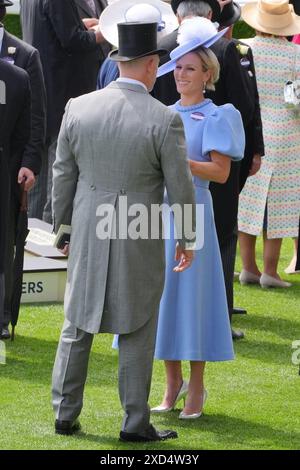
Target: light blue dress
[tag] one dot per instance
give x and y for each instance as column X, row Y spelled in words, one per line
column 193, row 319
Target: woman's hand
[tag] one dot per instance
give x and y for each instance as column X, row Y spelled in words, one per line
column 185, row 258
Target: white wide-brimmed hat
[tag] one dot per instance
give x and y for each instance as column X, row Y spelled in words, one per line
column 272, row 16
column 144, row 11
column 193, row 33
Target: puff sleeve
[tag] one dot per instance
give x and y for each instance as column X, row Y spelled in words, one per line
column 224, row 133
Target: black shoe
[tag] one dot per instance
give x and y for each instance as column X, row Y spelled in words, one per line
column 152, row 435
column 239, row 311
column 67, row 427
column 5, row 334
column 237, row 334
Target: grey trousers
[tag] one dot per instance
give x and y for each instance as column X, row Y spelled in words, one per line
column 136, row 351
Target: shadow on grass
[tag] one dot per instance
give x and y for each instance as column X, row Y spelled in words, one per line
column 230, row 430
column 222, row 430
column 264, row 351
column 284, row 328
column 113, row 442
column 292, row 292
column 31, row 359
column 116, row 444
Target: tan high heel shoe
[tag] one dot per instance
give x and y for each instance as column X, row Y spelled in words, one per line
column 180, row 396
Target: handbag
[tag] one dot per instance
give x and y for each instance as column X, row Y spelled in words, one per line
column 291, row 92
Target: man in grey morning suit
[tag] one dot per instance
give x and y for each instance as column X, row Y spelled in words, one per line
column 117, row 143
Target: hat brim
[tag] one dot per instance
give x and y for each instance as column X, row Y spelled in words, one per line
column 249, row 15
column 234, row 18
column 7, row 3
column 114, row 55
column 184, row 49
column 115, row 13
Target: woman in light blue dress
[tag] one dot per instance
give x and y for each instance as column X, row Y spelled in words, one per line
column 193, row 320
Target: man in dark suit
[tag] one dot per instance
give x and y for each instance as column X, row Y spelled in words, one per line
column 254, row 148
column 240, row 89
column 69, row 59
column 232, row 87
column 89, row 12
column 26, row 57
column 16, row 165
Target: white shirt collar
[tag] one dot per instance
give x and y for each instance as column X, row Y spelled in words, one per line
column 1, row 35
column 132, row 80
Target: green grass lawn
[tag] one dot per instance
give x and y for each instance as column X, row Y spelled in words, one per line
column 253, row 403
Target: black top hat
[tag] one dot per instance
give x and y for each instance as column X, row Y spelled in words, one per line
column 230, row 14
column 5, row 3
column 136, row 40
column 214, row 4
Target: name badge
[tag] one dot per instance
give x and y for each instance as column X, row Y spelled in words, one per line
column 245, row 62
column 197, row 116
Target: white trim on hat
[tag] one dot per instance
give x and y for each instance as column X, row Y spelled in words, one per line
column 205, row 38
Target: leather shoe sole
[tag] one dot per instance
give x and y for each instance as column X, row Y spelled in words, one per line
column 155, row 436
column 67, row 428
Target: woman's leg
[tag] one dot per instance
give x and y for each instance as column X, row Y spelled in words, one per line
column 272, row 249
column 174, row 383
column 194, row 401
column 247, row 250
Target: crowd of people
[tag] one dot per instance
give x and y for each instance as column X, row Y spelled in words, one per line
column 180, row 105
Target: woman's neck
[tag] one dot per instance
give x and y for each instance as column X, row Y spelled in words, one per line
column 190, row 100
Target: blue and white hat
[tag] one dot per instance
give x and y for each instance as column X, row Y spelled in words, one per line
column 193, row 33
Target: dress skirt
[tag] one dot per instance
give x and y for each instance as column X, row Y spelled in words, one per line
column 193, row 318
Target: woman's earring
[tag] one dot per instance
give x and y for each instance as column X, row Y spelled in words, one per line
column 204, row 88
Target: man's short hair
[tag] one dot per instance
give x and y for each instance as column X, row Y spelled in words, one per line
column 187, row 8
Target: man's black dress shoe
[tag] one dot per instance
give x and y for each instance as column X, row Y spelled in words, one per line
column 239, row 311
column 151, row 435
column 237, row 334
column 5, row 334
column 67, row 427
